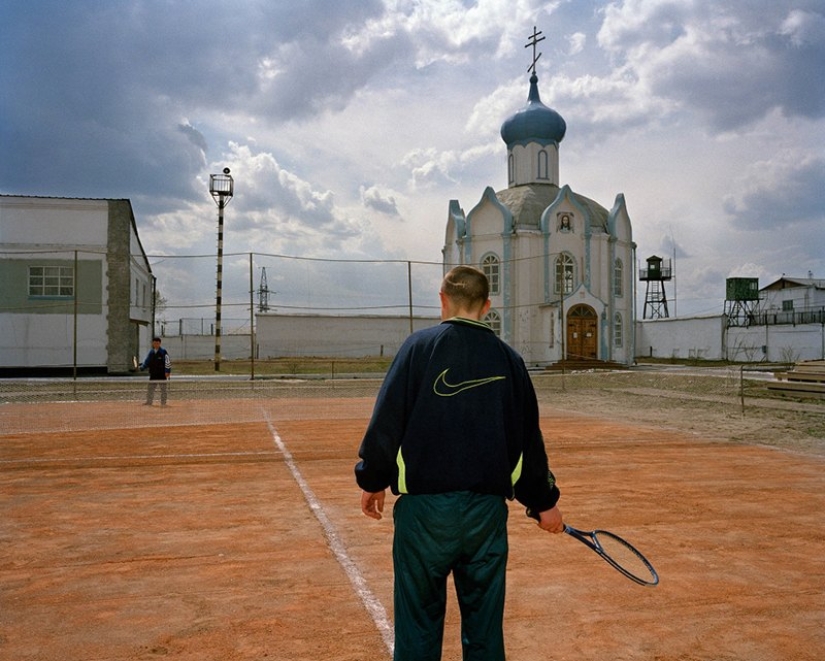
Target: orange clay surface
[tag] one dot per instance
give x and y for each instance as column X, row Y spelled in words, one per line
column 130, row 533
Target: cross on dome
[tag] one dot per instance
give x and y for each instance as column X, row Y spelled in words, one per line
column 533, row 41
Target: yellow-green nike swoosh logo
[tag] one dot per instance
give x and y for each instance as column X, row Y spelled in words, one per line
column 444, row 389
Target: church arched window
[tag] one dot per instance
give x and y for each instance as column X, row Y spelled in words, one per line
column 618, row 278
column 543, row 167
column 618, row 330
column 493, row 320
column 511, row 169
column 565, row 274
column 491, row 266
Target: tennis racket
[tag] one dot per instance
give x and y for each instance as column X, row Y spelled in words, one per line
column 619, row 554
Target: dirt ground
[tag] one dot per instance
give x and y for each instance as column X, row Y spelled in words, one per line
column 231, row 530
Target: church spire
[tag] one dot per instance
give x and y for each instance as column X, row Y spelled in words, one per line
column 533, row 134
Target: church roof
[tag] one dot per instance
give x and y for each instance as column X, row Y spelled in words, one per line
column 528, row 202
column 535, row 122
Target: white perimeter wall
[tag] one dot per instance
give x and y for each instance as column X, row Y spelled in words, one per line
column 706, row 338
column 776, row 344
column 349, row 337
column 697, row 337
column 201, row 347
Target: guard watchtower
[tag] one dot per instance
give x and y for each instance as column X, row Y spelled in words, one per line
column 658, row 272
column 741, row 300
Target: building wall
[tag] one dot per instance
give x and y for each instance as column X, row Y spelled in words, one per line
column 95, row 325
column 344, row 336
column 802, row 297
column 776, row 344
column 129, row 307
column 706, row 338
column 698, row 338
column 202, row 347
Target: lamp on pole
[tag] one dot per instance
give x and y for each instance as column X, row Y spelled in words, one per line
column 221, row 187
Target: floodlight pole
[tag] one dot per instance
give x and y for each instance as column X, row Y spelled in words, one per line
column 221, row 187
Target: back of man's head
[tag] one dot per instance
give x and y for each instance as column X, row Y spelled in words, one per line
column 466, row 286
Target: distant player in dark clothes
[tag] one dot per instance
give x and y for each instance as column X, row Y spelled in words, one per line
column 455, row 432
column 159, row 364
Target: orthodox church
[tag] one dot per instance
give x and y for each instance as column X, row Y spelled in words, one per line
column 560, row 265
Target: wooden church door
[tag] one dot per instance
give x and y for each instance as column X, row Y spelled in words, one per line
column 582, row 333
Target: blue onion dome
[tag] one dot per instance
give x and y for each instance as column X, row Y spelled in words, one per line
column 535, row 122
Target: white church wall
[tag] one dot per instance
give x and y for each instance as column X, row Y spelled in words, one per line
column 524, row 163
column 485, row 220
column 599, row 267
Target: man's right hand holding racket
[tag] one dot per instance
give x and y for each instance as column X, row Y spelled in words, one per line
column 551, row 520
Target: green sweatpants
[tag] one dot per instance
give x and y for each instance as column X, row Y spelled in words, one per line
column 463, row 533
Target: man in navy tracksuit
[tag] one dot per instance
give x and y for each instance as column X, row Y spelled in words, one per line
column 455, row 432
column 159, row 365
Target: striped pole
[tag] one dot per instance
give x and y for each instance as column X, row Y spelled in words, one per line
column 221, row 187
column 219, row 294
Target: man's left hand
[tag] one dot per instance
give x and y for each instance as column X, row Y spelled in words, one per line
column 372, row 504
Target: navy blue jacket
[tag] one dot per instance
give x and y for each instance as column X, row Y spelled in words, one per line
column 158, row 363
column 457, row 412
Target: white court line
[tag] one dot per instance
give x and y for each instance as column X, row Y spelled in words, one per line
column 67, row 427
column 199, row 455
column 374, row 607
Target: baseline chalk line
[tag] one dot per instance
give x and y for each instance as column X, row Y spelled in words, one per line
column 373, row 605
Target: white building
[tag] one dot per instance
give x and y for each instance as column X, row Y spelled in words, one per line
column 77, row 288
column 793, row 300
column 786, row 325
column 560, row 265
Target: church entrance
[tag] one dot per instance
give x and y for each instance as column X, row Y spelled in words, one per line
column 582, row 333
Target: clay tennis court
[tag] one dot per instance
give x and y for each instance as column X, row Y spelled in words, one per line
column 230, row 528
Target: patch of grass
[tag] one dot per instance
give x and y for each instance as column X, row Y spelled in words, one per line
column 284, row 367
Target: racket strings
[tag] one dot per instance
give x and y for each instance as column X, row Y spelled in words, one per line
column 623, row 555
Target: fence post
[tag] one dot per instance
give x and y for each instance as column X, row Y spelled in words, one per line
column 251, row 323
column 74, row 320
column 409, row 293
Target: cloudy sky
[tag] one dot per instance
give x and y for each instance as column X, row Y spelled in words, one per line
column 348, row 126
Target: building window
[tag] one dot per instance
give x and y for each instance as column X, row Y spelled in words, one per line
column 565, row 274
column 543, row 166
column 493, row 320
column 491, row 266
column 51, row 281
column 787, row 306
column 511, row 169
column 618, row 330
column 618, row 277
